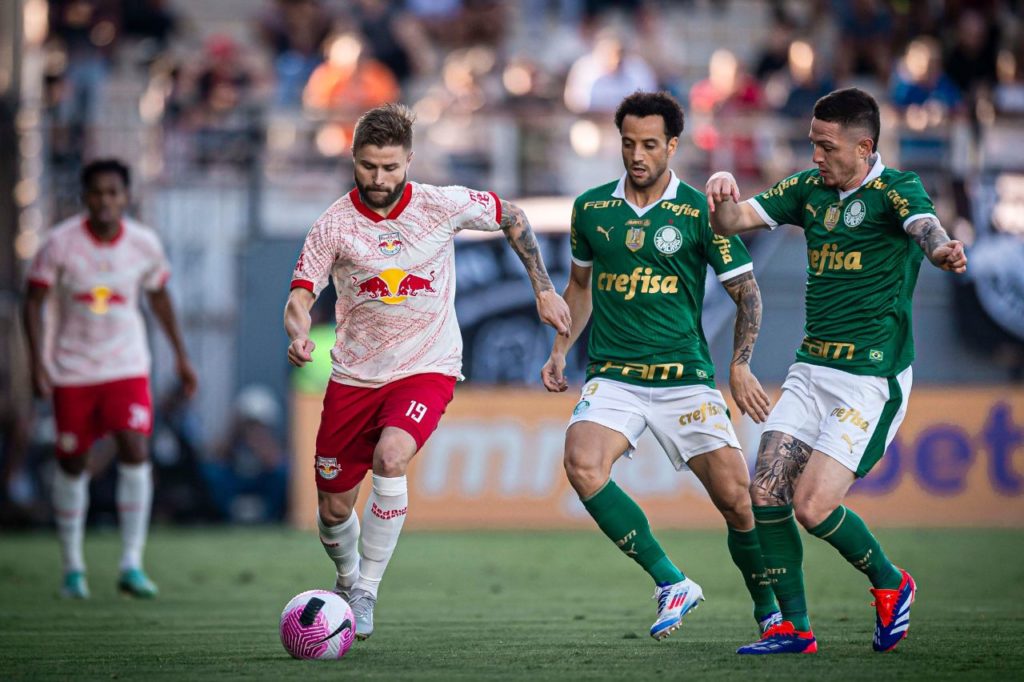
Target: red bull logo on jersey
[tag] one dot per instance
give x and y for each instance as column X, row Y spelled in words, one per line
column 100, row 298
column 390, row 243
column 394, row 285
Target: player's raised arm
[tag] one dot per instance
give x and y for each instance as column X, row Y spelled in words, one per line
column 728, row 215
column 746, row 390
column 577, row 296
column 944, row 253
column 550, row 306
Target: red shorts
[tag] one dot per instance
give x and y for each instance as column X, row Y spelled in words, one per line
column 87, row 413
column 354, row 417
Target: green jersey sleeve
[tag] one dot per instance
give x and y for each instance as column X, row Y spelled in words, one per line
column 727, row 256
column 908, row 200
column 582, row 254
column 783, row 203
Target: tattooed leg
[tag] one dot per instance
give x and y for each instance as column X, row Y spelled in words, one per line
column 781, row 459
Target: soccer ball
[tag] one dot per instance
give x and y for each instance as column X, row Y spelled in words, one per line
column 317, row 624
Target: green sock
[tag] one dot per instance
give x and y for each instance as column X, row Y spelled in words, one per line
column 847, row 532
column 783, row 559
column 746, row 554
column 625, row 523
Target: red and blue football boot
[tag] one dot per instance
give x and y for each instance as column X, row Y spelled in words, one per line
column 892, row 613
column 782, row 639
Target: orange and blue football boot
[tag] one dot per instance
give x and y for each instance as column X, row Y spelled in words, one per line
column 782, row 639
column 892, row 613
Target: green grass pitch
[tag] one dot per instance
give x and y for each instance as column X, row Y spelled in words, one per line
column 499, row 605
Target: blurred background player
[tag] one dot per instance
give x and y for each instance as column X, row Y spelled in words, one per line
column 640, row 250
column 388, row 246
column 90, row 354
column 846, row 394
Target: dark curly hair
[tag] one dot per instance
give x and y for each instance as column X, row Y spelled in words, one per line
column 652, row 104
column 101, row 166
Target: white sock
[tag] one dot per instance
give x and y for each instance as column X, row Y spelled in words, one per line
column 70, row 504
column 134, row 499
column 383, row 519
column 341, row 543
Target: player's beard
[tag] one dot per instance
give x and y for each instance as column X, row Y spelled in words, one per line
column 389, row 199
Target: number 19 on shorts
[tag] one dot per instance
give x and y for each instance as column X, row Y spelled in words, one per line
column 416, row 411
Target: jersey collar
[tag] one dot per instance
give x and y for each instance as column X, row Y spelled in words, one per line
column 876, row 170
column 96, row 240
column 670, row 193
column 373, row 215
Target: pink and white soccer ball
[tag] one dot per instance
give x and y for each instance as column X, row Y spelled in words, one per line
column 317, row 624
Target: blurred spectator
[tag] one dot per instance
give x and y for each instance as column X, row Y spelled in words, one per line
column 392, row 37
column 151, row 22
column 82, row 39
column 919, row 81
column 294, row 30
column 460, row 23
column 794, row 92
column 725, row 104
column 865, row 35
column 350, row 81
column 775, row 54
column 1008, row 96
column 971, row 60
column 600, row 79
column 249, row 478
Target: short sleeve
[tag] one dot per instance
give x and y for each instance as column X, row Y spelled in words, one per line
column 316, row 260
column 582, row 254
column 475, row 210
column 781, row 204
column 908, row 200
column 44, row 268
column 158, row 270
column 727, row 256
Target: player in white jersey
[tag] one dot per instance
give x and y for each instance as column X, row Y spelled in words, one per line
column 388, row 247
column 94, row 362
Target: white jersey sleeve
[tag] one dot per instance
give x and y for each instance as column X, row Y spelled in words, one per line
column 44, row 268
column 319, row 254
column 474, row 209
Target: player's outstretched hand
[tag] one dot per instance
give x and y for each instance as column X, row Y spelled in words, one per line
column 747, row 392
column 41, row 385
column 950, row 256
column 300, row 351
column 721, row 186
column 188, row 377
column 553, row 374
column 553, row 310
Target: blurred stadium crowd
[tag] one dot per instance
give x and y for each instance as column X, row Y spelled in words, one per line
column 237, row 114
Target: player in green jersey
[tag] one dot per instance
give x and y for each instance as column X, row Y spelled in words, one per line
column 867, row 229
column 641, row 247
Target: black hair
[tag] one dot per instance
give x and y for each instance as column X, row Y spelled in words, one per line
column 662, row 104
column 850, row 108
column 100, row 166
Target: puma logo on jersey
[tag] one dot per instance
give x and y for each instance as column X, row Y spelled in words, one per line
column 811, row 210
column 607, row 233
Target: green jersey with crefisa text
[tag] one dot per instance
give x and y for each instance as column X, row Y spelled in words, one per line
column 861, row 265
column 647, row 282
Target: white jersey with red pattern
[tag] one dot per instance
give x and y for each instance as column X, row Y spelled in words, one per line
column 395, row 278
column 99, row 333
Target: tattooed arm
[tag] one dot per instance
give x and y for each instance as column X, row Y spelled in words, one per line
column 746, row 390
column 943, row 252
column 780, row 461
column 550, row 306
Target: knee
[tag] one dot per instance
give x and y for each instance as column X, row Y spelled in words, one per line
column 811, row 510
column 390, row 461
column 334, row 509
column 585, row 471
column 735, row 506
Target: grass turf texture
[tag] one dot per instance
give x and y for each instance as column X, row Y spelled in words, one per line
column 540, row 605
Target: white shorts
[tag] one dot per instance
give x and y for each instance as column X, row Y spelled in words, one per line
column 685, row 420
column 850, row 418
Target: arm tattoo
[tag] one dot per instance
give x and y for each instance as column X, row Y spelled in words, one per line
column 780, row 461
column 522, row 240
column 747, row 296
column 928, row 234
